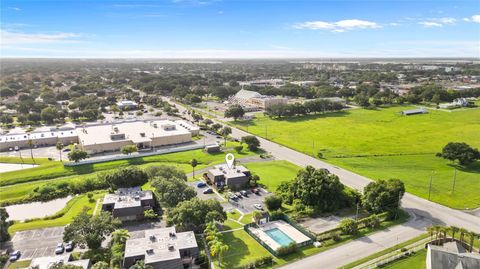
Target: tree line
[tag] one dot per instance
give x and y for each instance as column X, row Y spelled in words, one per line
column 298, row 109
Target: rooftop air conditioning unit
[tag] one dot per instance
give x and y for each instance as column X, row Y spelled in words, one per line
column 171, row 247
column 150, row 251
column 152, row 237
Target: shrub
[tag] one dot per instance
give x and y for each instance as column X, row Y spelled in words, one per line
column 285, row 250
column 348, row 226
column 238, row 148
column 273, row 202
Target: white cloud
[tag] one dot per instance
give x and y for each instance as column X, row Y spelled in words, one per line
column 438, row 22
column 430, row 24
column 12, row 38
column 339, row 26
column 474, row 18
column 15, row 8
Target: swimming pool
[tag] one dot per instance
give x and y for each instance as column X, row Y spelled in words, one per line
column 280, row 237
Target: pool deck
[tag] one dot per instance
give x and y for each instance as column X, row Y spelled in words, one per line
column 283, row 226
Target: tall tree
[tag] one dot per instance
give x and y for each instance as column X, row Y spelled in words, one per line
column 459, row 151
column 383, row 195
column 77, row 155
column 235, row 112
column 171, row 191
column 225, row 131
column 4, row 236
column 193, row 163
column 59, row 147
column 30, row 145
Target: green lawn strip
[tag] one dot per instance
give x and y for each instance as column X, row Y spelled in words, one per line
column 272, row 173
column 234, row 215
column 25, row 159
column 230, row 225
column 53, row 169
column 242, row 249
column 386, row 251
column 72, row 209
column 19, row 264
column 383, row 137
column 417, row 261
column 415, row 171
column 247, row 218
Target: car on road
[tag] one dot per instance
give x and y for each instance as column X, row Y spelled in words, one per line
column 258, row 206
column 16, row 148
column 59, row 249
column 208, row 191
column 69, row 246
column 244, row 193
column 14, row 256
column 201, row 184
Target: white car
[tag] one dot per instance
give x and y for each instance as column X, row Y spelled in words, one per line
column 258, row 206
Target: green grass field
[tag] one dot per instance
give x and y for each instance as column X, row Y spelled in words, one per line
column 53, row 169
column 73, row 208
column 383, row 144
column 19, row 264
column 274, row 172
column 417, row 261
column 24, row 181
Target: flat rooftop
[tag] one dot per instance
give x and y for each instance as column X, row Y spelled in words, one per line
column 223, row 169
column 135, row 131
column 38, row 135
column 160, row 244
column 127, row 197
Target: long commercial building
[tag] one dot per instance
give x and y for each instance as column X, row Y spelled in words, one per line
column 97, row 138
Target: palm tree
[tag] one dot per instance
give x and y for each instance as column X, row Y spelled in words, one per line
column 225, row 131
column 454, row 230
column 193, row 163
column 437, row 231
column 472, row 235
column 30, row 144
column 431, row 230
column 462, row 234
column 60, row 146
column 120, row 236
column 218, row 248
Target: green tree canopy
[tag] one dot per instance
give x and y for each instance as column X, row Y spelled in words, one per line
column 383, row 195
column 235, row 112
column 172, row 190
column 77, row 155
column 126, row 178
column 165, row 171
column 4, row 236
column 462, row 152
column 192, row 214
column 252, row 142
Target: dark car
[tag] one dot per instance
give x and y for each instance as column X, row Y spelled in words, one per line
column 244, row 193
column 238, row 194
column 208, row 191
column 201, row 184
column 69, row 246
column 59, row 249
column 256, row 191
column 14, row 256
column 66, row 150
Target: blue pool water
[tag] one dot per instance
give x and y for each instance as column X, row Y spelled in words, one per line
column 280, row 237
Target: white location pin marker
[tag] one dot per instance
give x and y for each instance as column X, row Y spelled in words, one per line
column 229, row 159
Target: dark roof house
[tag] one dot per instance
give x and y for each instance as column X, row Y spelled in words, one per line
column 451, row 255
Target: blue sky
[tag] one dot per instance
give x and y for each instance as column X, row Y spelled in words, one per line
column 239, row 28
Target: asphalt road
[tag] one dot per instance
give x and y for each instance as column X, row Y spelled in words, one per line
column 423, row 213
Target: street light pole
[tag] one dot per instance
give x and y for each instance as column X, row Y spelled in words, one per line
column 454, row 179
column 430, row 188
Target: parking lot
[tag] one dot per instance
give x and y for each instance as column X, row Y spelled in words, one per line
column 246, row 204
column 203, row 196
column 37, row 243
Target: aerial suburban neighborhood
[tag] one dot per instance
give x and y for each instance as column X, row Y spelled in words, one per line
column 307, row 144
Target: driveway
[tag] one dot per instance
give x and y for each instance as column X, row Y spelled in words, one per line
column 246, row 204
column 203, row 196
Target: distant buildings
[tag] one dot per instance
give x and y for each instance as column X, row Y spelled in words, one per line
column 263, row 83
column 47, row 262
column 236, row 177
column 66, row 136
column 129, row 204
column 127, row 105
column 459, row 102
column 252, row 100
column 162, row 248
column 451, row 255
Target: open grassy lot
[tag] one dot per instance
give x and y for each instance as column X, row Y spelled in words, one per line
column 242, row 249
column 19, row 264
column 417, row 261
column 54, row 169
column 65, row 216
column 353, row 138
column 274, row 172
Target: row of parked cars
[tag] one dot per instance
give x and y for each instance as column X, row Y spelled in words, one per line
column 203, row 185
column 59, row 249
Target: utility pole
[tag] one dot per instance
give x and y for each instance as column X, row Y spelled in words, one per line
column 454, row 179
column 430, row 188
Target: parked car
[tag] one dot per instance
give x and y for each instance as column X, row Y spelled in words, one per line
column 233, row 197
column 16, row 148
column 69, row 246
column 59, row 249
column 66, row 150
column 14, row 256
column 218, row 137
column 238, row 194
column 208, row 191
column 201, row 184
column 244, row 193
column 256, row 191
column 258, row 206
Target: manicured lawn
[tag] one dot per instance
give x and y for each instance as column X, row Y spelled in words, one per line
column 19, row 264
column 274, row 172
column 242, row 249
column 415, row 171
column 54, row 169
column 72, row 209
column 379, row 135
column 417, row 261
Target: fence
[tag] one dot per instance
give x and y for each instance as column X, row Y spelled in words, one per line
column 298, row 227
column 267, row 247
column 140, row 155
column 393, row 258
